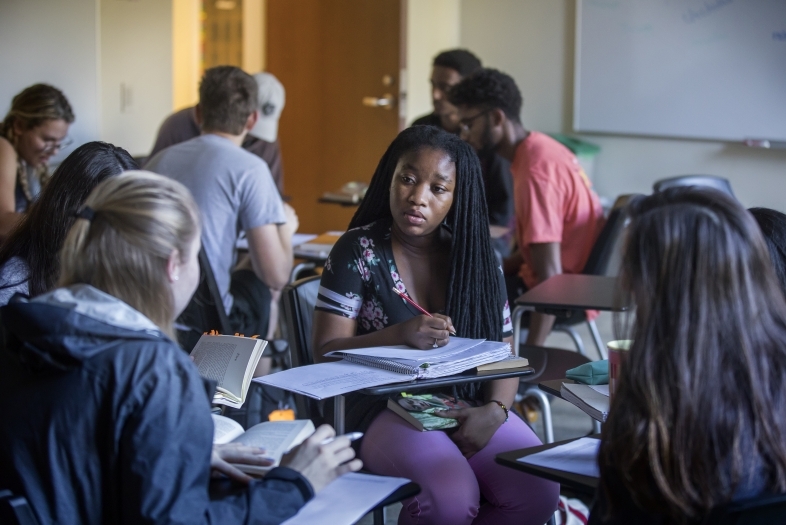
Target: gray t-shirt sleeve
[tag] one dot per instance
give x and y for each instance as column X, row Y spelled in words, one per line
column 14, row 276
column 260, row 202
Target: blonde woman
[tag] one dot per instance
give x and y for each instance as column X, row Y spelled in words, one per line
column 34, row 129
column 105, row 418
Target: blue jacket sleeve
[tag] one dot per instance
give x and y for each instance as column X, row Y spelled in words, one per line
column 165, row 444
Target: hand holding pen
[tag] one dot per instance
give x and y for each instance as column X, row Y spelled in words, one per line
column 424, row 333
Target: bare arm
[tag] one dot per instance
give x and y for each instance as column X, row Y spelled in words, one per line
column 270, row 250
column 546, row 262
column 334, row 332
column 8, row 215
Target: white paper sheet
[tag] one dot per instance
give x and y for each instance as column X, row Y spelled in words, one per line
column 346, row 500
column 326, row 380
column 576, row 457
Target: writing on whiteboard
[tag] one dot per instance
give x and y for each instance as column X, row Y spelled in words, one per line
column 706, row 8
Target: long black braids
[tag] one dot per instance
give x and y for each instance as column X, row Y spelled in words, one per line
column 473, row 286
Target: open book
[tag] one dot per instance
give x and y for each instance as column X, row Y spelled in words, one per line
column 230, row 361
column 276, row 437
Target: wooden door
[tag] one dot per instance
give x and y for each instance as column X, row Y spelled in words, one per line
column 330, row 54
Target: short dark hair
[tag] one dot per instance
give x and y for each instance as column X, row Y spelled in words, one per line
column 227, row 96
column 460, row 60
column 489, row 88
column 773, row 226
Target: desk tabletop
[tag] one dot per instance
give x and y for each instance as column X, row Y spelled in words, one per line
column 573, row 292
column 580, row 483
column 469, row 376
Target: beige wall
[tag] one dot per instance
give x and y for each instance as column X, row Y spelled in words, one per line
column 53, row 41
column 432, row 26
column 533, row 40
column 136, row 71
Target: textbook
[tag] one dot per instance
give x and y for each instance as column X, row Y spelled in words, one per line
column 418, row 410
column 458, row 355
column 276, row 437
column 512, row 361
column 230, row 361
column 595, row 404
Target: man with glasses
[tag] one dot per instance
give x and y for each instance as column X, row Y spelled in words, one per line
column 448, row 69
column 558, row 216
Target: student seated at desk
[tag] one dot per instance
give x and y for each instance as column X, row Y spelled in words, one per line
column 104, row 418
column 29, row 257
column 34, row 129
column 423, row 229
column 699, row 418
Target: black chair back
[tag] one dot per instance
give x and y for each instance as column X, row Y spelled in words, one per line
column 299, row 299
column 761, row 510
column 606, row 246
column 205, row 312
column 707, row 181
column 15, row 510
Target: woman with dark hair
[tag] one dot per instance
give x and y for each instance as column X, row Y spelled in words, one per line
column 28, row 258
column 34, row 129
column 699, row 418
column 422, row 228
column 773, row 226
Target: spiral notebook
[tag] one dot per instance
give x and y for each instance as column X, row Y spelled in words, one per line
column 458, row 355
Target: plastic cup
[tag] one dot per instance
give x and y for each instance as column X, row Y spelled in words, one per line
column 618, row 353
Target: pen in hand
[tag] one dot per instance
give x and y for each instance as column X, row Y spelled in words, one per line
column 416, row 305
column 353, row 436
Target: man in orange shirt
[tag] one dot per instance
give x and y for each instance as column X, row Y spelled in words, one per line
column 558, row 216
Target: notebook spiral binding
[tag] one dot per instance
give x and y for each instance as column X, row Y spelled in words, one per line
column 386, row 364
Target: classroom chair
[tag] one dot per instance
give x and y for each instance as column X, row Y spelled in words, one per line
column 707, row 181
column 15, row 510
column 604, row 259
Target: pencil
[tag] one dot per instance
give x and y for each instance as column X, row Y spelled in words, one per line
column 416, row 305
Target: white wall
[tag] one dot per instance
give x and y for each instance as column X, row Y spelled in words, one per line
column 432, row 26
column 136, row 71
column 533, row 41
column 55, row 42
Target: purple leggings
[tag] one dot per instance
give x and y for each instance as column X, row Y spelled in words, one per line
column 451, row 485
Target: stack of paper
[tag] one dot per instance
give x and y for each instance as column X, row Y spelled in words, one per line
column 588, row 398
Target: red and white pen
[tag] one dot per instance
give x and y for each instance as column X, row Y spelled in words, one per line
column 416, row 305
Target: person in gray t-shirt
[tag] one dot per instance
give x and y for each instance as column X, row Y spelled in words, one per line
column 235, row 193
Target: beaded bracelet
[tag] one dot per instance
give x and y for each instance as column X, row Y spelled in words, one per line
column 502, row 406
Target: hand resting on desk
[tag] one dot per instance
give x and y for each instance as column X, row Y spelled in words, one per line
column 476, row 426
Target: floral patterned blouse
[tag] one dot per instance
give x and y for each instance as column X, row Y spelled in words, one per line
column 357, row 282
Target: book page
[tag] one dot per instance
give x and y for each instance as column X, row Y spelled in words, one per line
column 225, row 429
column 404, row 352
column 277, row 437
column 224, row 358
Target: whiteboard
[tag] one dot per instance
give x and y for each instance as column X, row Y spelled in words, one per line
column 703, row 69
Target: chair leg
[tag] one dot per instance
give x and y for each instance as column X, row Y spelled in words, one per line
column 338, row 416
column 573, row 335
column 545, row 408
column 379, row 516
column 598, row 341
column 552, row 520
column 516, row 319
column 596, row 426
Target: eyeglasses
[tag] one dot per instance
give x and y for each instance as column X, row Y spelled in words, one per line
column 51, row 145
column 466, row 123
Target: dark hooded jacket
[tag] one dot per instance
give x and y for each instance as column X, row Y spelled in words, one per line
column 103, row 419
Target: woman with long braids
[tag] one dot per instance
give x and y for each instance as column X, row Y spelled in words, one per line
column 29, row 261
column 423, row 229
column 34, row 129
column 699, row 418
